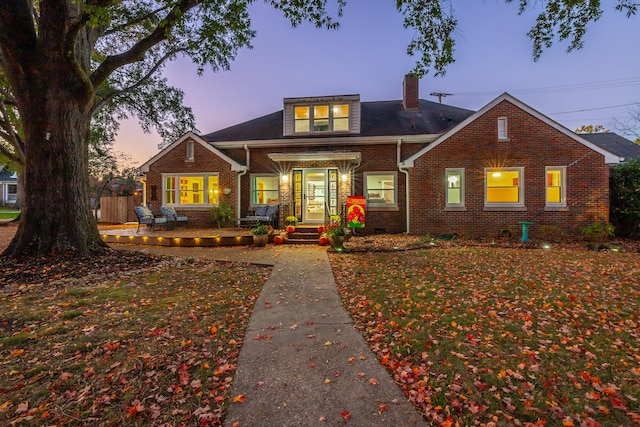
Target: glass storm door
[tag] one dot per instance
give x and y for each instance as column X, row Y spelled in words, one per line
column 315, row 195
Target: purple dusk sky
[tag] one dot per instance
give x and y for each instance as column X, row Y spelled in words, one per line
column 367, row 55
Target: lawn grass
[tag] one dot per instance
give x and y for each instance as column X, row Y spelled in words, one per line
column 491, row 336
column 9, row 215
column 157, row 349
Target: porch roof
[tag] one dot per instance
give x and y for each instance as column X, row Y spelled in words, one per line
column 309, row 156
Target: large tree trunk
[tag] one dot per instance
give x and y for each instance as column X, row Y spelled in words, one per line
column 56, row 215
column 55, row 108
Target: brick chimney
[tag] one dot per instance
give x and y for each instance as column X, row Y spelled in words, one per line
column 410, row 92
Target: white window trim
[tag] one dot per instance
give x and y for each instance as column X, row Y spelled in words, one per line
column 330, row 118
column 380, row 206
column 563, row 187
column 460, row 171
column 190, row 155
column 503, row 129
column 176, row 190
column 251, row 189
column 506, row 206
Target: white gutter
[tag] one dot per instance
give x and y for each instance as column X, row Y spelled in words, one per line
column 243, row 172
column 405, row 171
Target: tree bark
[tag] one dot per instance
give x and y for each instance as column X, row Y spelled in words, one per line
column 55, row 108
column 56, row 216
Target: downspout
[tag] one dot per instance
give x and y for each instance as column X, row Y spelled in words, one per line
column 405, row 171
column 240, row 175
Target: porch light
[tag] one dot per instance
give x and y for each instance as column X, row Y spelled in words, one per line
column 285, row 178
column 226, row 190
column 344, row 177
column 496, row 174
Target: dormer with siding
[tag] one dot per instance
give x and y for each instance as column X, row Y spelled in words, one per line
column 321, row 116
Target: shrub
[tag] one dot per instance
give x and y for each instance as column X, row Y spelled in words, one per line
column 222, row 214
column 598, row 232
column 624, row 183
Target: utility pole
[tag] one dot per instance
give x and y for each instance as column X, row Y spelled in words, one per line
column 440, row 95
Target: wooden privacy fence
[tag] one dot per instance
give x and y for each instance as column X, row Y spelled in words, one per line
column 119, row 209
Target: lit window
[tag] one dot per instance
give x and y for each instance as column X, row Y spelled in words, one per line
column 190, row 150
column 380, row 188
column 502, row 128
column 556, row 190
column 265, row 189
column 321, row 118
column 302, row 119
column 504, row 187
column 191, row 189
column 341, row 117
column 455, row 187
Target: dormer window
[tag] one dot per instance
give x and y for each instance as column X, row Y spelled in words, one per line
column 321, row 118
column 322, row 115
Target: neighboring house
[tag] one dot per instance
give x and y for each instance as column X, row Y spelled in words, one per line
column 614, row 143
column 423, row 167
column 8, row 188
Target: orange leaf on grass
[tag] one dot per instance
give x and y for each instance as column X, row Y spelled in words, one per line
column 346, row 415
column 239, row 398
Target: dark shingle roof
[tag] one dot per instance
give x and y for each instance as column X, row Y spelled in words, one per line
column 615, row 144
column 7, row 176
column 380, row 118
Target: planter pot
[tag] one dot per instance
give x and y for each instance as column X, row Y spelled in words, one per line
column 336, row 241
column 260, row 239
column 290, row 229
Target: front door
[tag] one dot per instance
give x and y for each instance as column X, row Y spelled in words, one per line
column 314, row 195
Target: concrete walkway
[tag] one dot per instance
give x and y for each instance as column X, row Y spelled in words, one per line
column 303, row 363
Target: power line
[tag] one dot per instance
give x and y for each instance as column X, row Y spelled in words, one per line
column 594, row 109
column 602, row 84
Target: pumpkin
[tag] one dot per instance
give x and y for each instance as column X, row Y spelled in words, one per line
column 290, row 229
column 321, row 229
column 278, row 240
column 323, row 241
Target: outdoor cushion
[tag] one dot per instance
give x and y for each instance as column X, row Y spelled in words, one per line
column 145, row 216
column 170, row 214
column 261, row 210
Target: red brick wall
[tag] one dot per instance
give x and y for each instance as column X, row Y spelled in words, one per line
column 204, row 160
column 533, row 145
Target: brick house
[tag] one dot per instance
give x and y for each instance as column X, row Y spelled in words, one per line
column 423, row 167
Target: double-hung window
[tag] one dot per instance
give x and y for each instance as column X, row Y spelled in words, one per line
column 454, row 191
column 381, row 189
column 556, row 194
column 190, row 189
column 504, row 188
column 321, row 118
column 265, row 189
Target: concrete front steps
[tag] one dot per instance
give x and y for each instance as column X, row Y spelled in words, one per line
column 304, row 235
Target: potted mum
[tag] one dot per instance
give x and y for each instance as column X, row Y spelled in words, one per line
column 260, row 234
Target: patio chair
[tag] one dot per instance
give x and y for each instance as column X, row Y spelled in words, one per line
column 265, row 214
column 145, row 216
column 169, row 212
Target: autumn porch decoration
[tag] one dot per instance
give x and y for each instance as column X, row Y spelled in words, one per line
column 260, row 234
column 291, row 221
